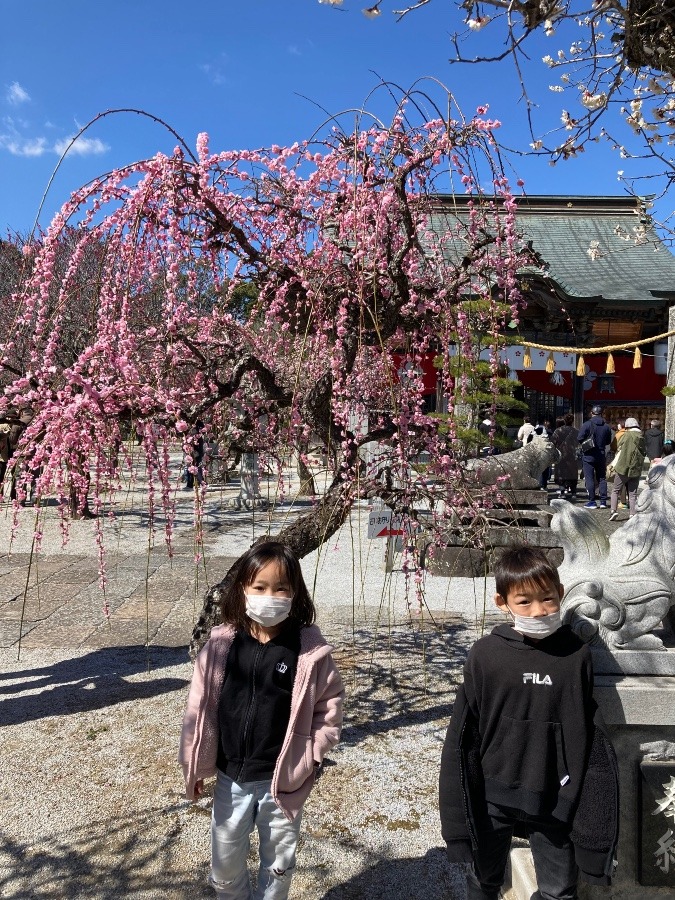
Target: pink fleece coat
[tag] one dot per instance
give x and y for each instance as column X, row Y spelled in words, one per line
column 313, row 728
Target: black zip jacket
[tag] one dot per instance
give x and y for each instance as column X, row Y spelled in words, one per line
column 255, row 703
column 526, row 733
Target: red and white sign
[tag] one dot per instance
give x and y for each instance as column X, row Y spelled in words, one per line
column 382, row 524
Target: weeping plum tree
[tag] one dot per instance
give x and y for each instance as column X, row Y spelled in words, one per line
column 349, row 269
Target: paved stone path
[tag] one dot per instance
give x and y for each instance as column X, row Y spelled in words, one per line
column 58, row 602
column 53, row 600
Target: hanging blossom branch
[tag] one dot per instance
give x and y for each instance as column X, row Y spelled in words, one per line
column 130, row 315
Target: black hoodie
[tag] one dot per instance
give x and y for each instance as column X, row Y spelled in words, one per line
column 654, row 442
column 522, row 735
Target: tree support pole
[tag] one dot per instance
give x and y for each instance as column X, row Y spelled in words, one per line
column 669, row 426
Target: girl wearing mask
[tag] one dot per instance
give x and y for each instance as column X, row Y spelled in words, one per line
column 264, row 708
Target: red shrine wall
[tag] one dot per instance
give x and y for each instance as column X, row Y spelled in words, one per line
column 630, row 385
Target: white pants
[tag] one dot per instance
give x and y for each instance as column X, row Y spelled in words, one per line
column 237, row 809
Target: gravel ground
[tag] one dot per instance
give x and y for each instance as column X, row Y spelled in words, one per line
column 92, row 795
column 93, row 802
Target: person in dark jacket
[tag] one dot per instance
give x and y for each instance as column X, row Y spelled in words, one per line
column 654, row 440
column 599, row 435
column 196, row 457
column 526, row 751
column 567, row 468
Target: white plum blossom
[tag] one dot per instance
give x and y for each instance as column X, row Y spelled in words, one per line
column 595, row 250
column 594, row 101
column 478, row 23
column 640, row 233
column 655, row 86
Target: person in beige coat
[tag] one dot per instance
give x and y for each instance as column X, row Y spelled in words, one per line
column 264, row 708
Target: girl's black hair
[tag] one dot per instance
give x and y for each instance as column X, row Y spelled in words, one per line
column 243, row 572
column 519, row 565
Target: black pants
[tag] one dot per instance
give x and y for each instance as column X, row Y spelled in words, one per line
column 552, row 852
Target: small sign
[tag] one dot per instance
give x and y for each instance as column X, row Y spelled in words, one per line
column 656, row 834
column 382, row 523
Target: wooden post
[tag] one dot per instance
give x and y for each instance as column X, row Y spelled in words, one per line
column 389, row 554
column 578, row 399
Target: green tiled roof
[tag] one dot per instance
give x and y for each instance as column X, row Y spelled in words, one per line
column 627, row 262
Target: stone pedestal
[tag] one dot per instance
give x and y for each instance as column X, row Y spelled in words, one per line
column 523, row 516
column 640, row 713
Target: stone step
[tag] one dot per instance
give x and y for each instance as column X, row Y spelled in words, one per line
column 472, row 562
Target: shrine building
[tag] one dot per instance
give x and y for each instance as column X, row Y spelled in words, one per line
column 601, row 276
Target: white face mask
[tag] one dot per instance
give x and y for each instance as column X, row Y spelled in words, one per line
column 267, row 610
column 537, row 627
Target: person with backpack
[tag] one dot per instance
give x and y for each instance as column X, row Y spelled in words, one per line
column 594, row 437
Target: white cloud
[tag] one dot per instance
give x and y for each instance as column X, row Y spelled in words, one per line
column 294, row 50
column 20, row 146
column 16, row 95
column 15, row 138
column 82, row 147
column 216, row 71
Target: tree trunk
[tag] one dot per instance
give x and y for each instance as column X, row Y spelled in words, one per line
column 307, row 486
column 75, row 511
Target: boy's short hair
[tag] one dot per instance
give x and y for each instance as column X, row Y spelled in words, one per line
column 521, row 564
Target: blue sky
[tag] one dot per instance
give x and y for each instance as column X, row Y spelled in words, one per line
column 251, row 74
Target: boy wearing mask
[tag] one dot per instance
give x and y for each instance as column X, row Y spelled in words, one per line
column 526, row 752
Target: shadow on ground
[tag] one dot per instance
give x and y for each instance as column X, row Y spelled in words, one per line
column 83, row 683
column 429, row 877
column 106, row 858
column 400, row 676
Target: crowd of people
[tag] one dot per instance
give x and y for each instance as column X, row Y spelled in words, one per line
column 610, row 456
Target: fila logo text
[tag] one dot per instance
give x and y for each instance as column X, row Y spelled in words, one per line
column 535, row 678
